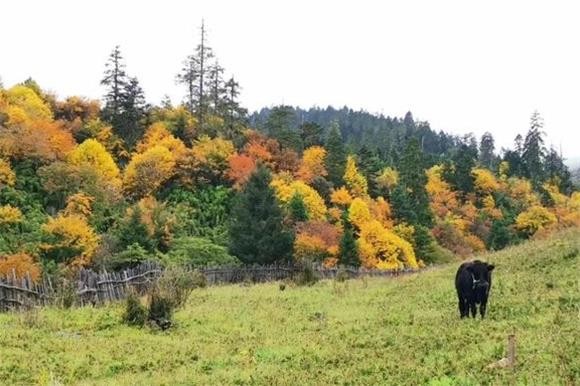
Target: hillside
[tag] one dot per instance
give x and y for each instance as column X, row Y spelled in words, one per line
column 373, row 331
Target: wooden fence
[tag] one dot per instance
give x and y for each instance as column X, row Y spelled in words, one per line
column 96, row 288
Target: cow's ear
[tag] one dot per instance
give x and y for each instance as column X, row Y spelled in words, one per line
column 490, row 267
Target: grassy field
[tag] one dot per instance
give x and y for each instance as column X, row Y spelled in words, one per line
column 403, row 331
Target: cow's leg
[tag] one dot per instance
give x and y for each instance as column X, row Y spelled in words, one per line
column 482, row 309
column 473, row 307
column 463, row 308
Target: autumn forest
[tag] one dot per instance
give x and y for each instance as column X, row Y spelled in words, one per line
column 114, row 182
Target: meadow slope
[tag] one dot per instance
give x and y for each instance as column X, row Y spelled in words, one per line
column 402, row 331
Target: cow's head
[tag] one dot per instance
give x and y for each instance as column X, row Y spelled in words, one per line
column 481, row 274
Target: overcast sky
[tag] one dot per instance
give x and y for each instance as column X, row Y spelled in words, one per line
column 464, row 66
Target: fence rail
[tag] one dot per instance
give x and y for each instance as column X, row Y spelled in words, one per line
column 92, row 287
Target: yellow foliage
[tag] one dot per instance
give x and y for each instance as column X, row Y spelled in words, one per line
column 355, row 182
column 20, row 265
column 490, row 209
column 310, row 248
column 286, row 189
column 443, row 200
column 535, row 218
column 485, row 181
column 381, row 211
column 388, row 179
column 504, row 168
column 213, row 152
column 341, row 197
column 359, row 212
column 405, row 231
column 72, row 232
column 7, row 176
column 148, row 171
column 93, row 154
column 31, row 106
column 158, row 135
column 312, row 164
column 521, row 190
column 383, row 249
column 79, row 204
column 10, row 215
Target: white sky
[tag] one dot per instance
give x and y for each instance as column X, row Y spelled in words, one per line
column 462, row 65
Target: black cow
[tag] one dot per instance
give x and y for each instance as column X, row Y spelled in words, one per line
column 473, row 282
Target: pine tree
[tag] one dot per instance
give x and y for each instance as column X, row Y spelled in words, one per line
column 348, row 250
column 486, row 151
column 533, row 151
column 335, row 156
column 257, row 233
column 311, row 134
column 411, row 192
column 557, row 171
column 134, row 110
column 235, row 115
column 194, row 75
column 280, row 125
column 115, row 80
column 459, row 175
column 124, row 101
column 297, row 209
column 217, row 89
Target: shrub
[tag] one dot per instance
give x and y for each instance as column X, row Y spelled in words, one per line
column 342, row 275
column 176, row 285
column 135, row 313
column 160, row 310
column 200, row 252
column 307, row 276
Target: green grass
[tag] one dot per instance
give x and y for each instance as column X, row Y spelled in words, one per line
column 403, row 331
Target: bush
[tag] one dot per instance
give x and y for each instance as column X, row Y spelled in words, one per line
column 342, row 275
column 176, row 284
column 307, row 276
column 160, row 310
column 200, row 252
column 135, row 313
column 134, row 255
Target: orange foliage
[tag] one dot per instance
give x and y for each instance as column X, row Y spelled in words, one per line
column 19, row 265
column 240, row 169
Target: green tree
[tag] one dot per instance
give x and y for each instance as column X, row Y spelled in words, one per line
column 335, row 156
column 348, row 250
column 311, row 134
column 533, row 151
column 280, row 125
column 459, row 174
column 257, row 233
column 486, row 151
column 410, row 199
column 297, row 209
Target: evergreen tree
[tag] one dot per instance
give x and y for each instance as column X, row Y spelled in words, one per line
column 257, row 233
column 297, row 209
column 486, row 151
column 410, row 191
column 533, row 151
column 348, row 250
column 217, row 89
column 557, row 171
column 194, row 75
column 125, row 104
column 115, row 80
column 459, row 175
column 235, row 115
column 280, row 125
column 311, row 134
column 335, row 156
column 134, row 111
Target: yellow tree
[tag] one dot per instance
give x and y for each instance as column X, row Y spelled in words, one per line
column 312, row 164
column 148, row 171
column 388, row 179
column 341, row 197
column 355, row 181
column 286, row 188
column 70, row 240
column 383, row 249
column 7, row 176
column 92, row 154
column 534, row 219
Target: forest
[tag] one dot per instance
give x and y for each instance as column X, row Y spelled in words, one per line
column 114, row 182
